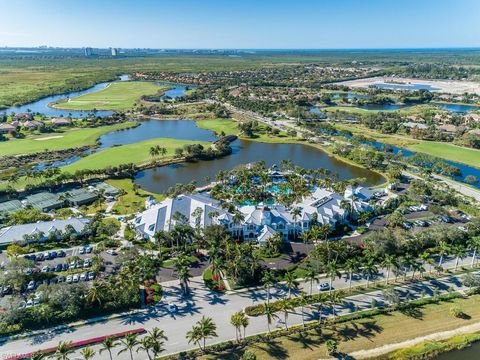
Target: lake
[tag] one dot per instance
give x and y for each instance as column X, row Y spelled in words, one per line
column 159, row 179
column 404, row 86
column 457, row 108
column 470, row 353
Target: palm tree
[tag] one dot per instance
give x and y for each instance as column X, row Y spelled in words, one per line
column 194, row 336
column 64, row 349
column 474, row 244
column 443, row 249
column 323, row 299
column 369, row 268
column 87, row 353
column 270, row 314
column 207, row 328
column 107, row 345
column 145, row 345
column 290, row 282
column 334, row 298
column 351, row 265
column 154, row 342
column 184, row 276
column 388, row 262
column 311, row 276
column 296, row 212
column 302, row 301
column 286, row 306
column 245, row 323
column 129, row 342
column 460, row 252
column 332, row 272
column 268, row 280
column 236, row 321
column 96, row 293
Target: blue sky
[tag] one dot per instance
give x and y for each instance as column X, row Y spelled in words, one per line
column 241, row 23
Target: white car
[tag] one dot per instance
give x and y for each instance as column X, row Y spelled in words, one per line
column 75, row 278
column 112, row 252
column 31, row 285
column 91, row 275
column 87, row 263
column 83, row 277
column 29, row 303
column 324, row 286
column 69, row 279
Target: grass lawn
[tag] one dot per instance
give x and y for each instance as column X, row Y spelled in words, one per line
column 449, row 151
column 66, row 139
column 229, row 127
column 132, row 201
column 137, row 153
column 117, row 96
column 366, row 333
column 439, row 149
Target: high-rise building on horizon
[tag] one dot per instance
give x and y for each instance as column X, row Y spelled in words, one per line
column 114, row 51
column 88, row 51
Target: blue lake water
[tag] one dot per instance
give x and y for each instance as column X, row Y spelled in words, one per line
column 151, row 129
column 404, row 86
column 457, row 108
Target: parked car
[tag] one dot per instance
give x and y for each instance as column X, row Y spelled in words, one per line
column 61, row 253
column 46, row 255
column 75, row 278
column 91, row 275
column 5, row 290
column 45, row 269
column 53, row 254
column 39, row 257
column 87, row 263
column 61, row 279
column 58, row 268
column 83, row 277
column 112, row 252
column 31, row 285
column 88, row 249
column 81, row 250
column 65, row 267
column 69, row 279
column 28, row 271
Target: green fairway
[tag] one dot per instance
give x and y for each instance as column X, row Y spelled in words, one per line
column 137, row 153
column 229, row 127
column 449, row 151
column 117, row 96
column 61, row 140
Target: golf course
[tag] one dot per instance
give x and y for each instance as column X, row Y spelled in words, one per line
column 116, row 96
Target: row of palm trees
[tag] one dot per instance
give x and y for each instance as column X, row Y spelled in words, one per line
column 152, row 345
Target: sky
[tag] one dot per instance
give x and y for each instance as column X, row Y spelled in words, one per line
column 248, row 24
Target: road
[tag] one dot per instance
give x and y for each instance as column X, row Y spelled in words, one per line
column 220, row 308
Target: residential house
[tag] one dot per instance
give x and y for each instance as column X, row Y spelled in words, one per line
column 40, row 231
column 61, row 122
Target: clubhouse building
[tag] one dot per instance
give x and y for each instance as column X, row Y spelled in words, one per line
column 253, row 222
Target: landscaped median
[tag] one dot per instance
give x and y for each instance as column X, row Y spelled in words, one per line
column 78, row 344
